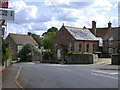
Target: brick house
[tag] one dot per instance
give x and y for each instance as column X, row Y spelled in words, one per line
column 110, row 37
column 74, row 39
column 16, row 42
column 111, row 41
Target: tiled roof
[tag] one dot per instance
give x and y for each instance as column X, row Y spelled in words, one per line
column 101, row 32
column 21, row 39
column 80, row 34
column 113, row 32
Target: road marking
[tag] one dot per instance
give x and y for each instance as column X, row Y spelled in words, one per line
column 64, row 69
column 112, row 73
column 17, row 78
column 104, row 76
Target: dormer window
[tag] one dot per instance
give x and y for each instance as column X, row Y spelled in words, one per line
column 110, row 40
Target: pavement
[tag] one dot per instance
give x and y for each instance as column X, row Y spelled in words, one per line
column 105, row 64
column 36, row 75
column 8, row 77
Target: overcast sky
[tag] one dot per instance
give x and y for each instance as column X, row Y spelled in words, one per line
column 40, row 15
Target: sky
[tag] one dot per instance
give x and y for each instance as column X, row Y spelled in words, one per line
column 37, row 16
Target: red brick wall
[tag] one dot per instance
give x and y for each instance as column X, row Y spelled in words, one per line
column 77, row 43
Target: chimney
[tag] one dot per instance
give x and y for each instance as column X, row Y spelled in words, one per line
column 94, row 27
column 29, row 34
column 109, row 25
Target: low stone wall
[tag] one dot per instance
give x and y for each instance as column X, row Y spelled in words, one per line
column 80, row 59
column 33, row 58
column 116, row 59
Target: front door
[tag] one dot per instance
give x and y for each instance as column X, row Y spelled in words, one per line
column 58, row 54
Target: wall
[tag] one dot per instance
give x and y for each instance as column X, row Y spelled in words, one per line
column 13, row 46
column 80, row 59
column 34, row 58
column 62, row 41
column 77, row 43
column 116, row 59
column 107, row 45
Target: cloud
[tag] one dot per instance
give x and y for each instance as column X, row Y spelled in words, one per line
column 27, row 13
column 39, row 17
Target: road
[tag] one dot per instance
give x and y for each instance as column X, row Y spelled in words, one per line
column 66, row 76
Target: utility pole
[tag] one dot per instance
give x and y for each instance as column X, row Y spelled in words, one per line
column 0, row 47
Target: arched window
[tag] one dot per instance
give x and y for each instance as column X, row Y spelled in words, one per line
column 110, row 40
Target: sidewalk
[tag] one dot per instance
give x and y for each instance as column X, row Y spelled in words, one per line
column 9, row 75
column 105, row 64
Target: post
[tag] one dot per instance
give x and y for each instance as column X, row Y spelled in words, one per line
column 0, row 56
column 0, row 47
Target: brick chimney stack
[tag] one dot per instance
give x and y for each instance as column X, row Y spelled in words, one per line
column 109, row 25
column 94, row 27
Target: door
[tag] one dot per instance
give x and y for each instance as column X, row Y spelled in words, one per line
column 58, row 54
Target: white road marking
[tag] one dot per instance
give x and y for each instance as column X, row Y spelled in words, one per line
column 64, row 69
column 105, row 76
column 112, row 73
column 28, row 63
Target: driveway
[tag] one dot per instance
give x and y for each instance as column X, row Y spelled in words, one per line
column 66, row 76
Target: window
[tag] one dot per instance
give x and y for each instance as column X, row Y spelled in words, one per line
column 70, row 47
column 110, row 40
column 10, row 46
column 80, row 48
column 87, row 47
column 93, row 47
column 19, row 48
column 110, row 50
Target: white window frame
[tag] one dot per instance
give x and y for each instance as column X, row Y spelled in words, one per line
column 110, row 40
column 110, row 50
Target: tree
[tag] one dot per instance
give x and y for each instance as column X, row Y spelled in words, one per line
column 52, row 29
column 27, row 51
column 47, row 40
column 48, row 37
column 38, row 39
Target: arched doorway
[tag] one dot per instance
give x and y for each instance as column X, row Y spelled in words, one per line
column 58, row 54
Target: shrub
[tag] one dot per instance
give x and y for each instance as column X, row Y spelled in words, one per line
column 47, row 54
column 6, row 55
column 70, row 53
column 27, row 51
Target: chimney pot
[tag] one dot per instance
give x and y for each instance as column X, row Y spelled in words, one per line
column 29, row 33
column 109, row 25
column 84, row 27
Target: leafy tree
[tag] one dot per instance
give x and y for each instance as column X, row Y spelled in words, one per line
column 38, row 39
column 48, row 37
column 27, row 51
column 52, row 29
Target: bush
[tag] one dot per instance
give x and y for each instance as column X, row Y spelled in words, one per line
column 6, row 55
column 47, row 54
column 27, row 51
column 70, row 53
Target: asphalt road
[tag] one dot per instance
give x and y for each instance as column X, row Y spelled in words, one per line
column 66, row 76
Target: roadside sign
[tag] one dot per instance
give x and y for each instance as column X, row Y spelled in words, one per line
column 3, row 3
column 6, row 14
